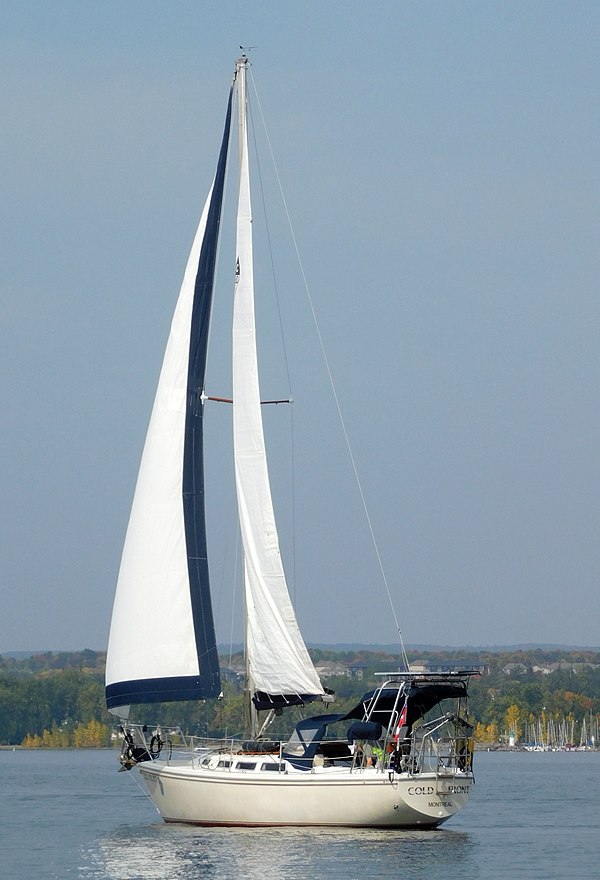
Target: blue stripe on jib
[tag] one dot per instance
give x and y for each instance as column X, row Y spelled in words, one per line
column 154, row 690
column 193, row 457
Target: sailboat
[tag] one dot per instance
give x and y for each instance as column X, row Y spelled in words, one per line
column 402, row 757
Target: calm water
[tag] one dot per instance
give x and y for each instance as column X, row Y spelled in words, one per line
column 71, row 815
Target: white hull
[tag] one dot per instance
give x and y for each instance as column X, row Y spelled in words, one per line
column 325, row 796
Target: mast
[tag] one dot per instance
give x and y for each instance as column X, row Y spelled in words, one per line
column 252, row 721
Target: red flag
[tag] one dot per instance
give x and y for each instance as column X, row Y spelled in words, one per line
column 401, row 723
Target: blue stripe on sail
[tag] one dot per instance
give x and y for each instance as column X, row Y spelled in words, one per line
column 154, row 690
column 193, row 464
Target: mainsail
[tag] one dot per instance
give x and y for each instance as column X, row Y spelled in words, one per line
column 279, row 666
column 162, row 644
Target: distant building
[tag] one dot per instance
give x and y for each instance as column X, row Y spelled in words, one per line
column 445, row 668
column 331, row 669
column 547, row 669
column 357, row 671
column 514, row 669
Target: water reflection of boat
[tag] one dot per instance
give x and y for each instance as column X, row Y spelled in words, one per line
column 191, row 853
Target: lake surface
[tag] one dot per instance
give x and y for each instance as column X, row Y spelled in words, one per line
column 69, row 814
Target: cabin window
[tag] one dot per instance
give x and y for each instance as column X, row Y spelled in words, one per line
column 224, row 764
column 271, row 766
column 245, row 765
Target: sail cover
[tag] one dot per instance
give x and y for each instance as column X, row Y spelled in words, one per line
column 279, row 666
column 162, row 643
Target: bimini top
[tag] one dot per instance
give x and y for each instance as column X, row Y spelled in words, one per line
column 381, row 706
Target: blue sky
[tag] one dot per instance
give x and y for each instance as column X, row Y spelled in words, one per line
column 440, row 162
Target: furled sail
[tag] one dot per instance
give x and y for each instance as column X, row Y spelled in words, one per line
column 162, row 644
column 280, row 669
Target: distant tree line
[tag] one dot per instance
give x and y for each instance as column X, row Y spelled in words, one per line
column 57, row 699
column 50, row 699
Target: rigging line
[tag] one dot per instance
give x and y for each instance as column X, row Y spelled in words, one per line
column 280, row 319
column 138, row 782
column 269, row 242
column 332, row 384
